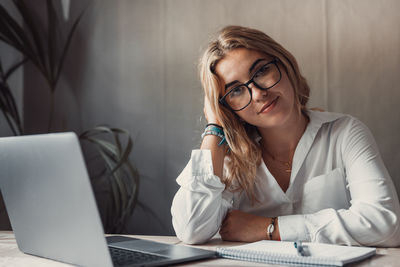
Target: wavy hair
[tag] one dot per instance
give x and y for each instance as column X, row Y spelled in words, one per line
column 245, row 152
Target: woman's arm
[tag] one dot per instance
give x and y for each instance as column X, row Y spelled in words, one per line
column 211, row 142
column 201, row 202
column 246, row 227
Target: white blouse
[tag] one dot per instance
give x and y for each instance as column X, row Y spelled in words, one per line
column 340, row 191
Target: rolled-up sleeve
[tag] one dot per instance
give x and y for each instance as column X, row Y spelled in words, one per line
column 373, row 216
column 201, row 202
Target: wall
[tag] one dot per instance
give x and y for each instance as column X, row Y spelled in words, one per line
column 133, row 65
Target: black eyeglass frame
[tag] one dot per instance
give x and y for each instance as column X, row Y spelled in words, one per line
column 222, row 100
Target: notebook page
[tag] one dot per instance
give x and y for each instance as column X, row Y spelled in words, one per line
column 342, row 253
column 273, row 252
column 338, row 253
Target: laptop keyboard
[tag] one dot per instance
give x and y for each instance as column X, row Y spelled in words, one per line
column 121, row 257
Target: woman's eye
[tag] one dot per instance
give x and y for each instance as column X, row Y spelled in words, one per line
column 262, row 71
column 238, row 91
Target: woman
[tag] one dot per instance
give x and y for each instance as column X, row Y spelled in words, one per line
column 269, row 168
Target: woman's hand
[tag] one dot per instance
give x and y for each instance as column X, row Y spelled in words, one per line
column 246, row 227
column 209, row 113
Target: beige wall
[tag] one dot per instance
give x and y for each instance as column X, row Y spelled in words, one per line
column 133, row 65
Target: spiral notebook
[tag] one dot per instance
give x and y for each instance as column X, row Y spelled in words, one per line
column 279, row 252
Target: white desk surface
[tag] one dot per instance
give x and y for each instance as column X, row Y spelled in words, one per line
column 11, row 256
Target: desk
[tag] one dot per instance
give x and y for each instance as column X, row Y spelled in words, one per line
column 11, row 256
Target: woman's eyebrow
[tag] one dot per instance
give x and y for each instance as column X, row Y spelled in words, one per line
column 230, row 84
column 250, row 70
column 255, row 64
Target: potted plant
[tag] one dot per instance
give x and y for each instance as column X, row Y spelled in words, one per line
column 46, row 48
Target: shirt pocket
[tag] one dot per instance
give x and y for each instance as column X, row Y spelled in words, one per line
column 325, row 191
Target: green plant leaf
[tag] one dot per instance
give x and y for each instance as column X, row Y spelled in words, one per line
column 122, row 176
column 67, row 43
column 7, row 101
column 14, row 68
column 7, row 109
column 10, row 105
column 125, row 154
column 32, row 26
column 110, row 163
column 118, row 142
column 107, row 150
column 114, row 131
column 15, row 35
column 6, row 33
column 108, row 147
column 135, row 190
column 110, row 154
column 114, row 185
column 95, row 131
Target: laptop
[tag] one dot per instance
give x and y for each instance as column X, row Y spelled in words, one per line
column 53, row 213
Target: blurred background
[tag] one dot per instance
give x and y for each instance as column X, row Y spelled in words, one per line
column 132, row 64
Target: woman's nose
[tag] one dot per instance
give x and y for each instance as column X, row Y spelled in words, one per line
column 258, row 94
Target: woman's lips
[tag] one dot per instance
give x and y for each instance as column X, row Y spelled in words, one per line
column 269, row 106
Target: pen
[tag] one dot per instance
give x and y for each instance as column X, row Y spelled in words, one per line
column 300, row 248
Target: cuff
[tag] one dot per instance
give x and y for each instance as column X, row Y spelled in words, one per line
column 199, row 171
column 293, row 227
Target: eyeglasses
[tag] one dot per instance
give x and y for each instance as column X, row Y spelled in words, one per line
column 266, row 77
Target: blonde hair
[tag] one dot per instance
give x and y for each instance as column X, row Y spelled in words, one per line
column 245, row 153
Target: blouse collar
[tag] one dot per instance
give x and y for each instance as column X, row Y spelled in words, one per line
column 317, row 119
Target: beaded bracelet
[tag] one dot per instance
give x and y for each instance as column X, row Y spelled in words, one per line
column 216, row 130
column 214, row 124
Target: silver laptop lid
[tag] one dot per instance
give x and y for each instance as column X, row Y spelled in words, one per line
column 49, row 199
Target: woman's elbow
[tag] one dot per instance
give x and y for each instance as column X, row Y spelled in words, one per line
column 190, row 234
column 387, row 230
column 191, row 238
column 194, row 233
column 390, row 235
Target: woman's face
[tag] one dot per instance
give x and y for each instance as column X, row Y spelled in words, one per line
column 269, row 108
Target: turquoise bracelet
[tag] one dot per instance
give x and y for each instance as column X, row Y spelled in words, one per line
column 217, row 131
